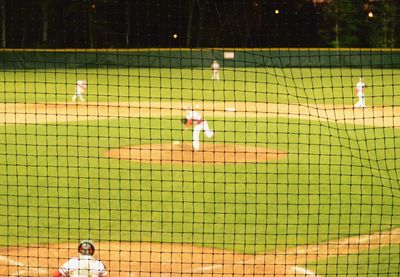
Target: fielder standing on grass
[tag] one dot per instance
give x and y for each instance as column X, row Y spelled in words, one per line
column 84, row 265
column 360, row 93
column 215, row 68
column 80, row 90
column 199, row 124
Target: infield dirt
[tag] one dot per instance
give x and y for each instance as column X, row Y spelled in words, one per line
column 25, row 113
column 165, row 259
column 209, row 153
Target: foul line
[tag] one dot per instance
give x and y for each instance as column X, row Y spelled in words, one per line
column 11, row 261
column 334, row 247
column 304, row 271
column 19, row 264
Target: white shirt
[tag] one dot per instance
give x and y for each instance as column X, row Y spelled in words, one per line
column 83, row 266
column 360, row 87
column 215, row 66
column 80, row 86
column 195, row 116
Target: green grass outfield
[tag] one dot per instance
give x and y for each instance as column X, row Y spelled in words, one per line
column 337, row 181
column 273, row 85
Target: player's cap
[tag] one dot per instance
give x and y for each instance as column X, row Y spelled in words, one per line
column 86, row 247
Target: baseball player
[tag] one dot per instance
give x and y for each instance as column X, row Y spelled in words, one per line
column 81, row 87
column 82, row 265
column 199, row 124
column 215, row 67
column 360, row 93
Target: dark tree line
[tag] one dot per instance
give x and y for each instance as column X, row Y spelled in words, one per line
column 199, row 23
column 360, row 23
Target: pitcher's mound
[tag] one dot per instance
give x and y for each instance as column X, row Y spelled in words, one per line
column 209, row 153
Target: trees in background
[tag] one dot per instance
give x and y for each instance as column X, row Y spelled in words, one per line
column 199, row 23
column 383, row 24
column 360, row 23
column 341, row 23
column 3, row 23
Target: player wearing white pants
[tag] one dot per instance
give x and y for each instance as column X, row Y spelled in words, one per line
column 80, row 90
column 199, row 124
column 83, row 265
column 215, row 67
column 360, row 93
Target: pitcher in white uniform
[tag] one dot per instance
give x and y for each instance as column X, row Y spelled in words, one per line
column 84, row 265
column 199, row 124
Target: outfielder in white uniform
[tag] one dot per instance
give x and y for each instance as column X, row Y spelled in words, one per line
column 80, row 90
column 360, row 93
column 199, row 124
column 84, row 265
column 215, row 68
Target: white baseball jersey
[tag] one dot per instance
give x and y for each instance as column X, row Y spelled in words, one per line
column 194, row 116
column 80, row 87
column 360, row 87
column 215, row 66
column 83, row 266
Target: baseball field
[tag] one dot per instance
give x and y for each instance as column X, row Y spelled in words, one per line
column 296, row 182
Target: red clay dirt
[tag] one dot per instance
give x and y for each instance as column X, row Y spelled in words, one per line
column 165, row 259
column 182, row 153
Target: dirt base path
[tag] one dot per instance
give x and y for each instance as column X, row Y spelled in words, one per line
column 11, row 113
column 165, row 259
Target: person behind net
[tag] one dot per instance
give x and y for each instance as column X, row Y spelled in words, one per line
column 81, row 86
column 193, row 118
column 83, row 265
column 360, row 93
column 215, row 68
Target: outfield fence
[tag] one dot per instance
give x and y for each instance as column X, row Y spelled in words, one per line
column 199, row 58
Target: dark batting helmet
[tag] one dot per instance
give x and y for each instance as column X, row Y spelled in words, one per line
column 86, row 247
